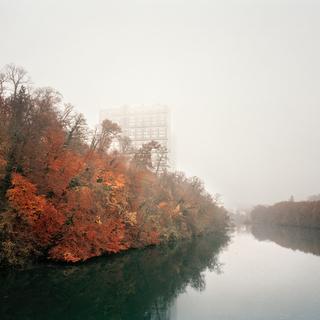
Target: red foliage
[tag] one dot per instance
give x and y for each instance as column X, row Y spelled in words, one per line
column 52, row 166
column 82, row 242
column 77, row 200
column 61, row 170
column 80, row 198
column 45, row 221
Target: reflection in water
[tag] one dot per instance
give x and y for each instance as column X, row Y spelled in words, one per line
column 140, row 284
column 260, row 281
column 302, row 239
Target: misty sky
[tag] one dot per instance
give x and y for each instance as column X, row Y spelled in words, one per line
column 241, row 79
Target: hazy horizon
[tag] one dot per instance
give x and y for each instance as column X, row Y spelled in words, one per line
column 240, row 77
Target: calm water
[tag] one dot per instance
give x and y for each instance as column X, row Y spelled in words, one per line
column 259, row 274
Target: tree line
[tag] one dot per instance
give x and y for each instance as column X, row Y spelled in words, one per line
column 288, row 213
column 66, row 196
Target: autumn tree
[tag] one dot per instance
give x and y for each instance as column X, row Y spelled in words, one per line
column 19, row 108
column 75, row 125
column 143, row 156
column 67, row 195
column 103, row 137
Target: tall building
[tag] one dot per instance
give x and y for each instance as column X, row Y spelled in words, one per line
column 144, row 124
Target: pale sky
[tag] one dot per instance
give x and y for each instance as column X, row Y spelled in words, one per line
column 241, row 78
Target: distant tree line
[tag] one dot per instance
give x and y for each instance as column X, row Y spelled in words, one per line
column 315, row 197
column 288, row 213
column 64, row 195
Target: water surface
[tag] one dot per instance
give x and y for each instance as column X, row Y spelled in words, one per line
column 266, row 273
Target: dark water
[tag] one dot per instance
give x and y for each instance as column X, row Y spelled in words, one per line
column 266, row 274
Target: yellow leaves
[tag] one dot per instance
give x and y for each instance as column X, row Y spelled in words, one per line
column 111, row 179
column 131, row 218
column 177, row 210
column 120, row 181
column 98, row 220
column 69, row 257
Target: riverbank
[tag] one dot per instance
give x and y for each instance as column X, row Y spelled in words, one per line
column 67, row 195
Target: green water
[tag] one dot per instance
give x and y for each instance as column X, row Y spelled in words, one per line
column 260, row 274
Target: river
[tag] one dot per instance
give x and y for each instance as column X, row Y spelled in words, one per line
column 263, row 273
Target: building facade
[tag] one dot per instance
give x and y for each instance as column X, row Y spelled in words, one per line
column 142, row 125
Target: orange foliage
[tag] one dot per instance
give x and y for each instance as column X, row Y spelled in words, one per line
column 22, row 197
column 82, row 242
column 44, row 219
column 72, row 200
column 114, row 180
column 61, row 170
column 80, row 198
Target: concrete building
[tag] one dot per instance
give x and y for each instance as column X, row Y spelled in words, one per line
column 144, row 124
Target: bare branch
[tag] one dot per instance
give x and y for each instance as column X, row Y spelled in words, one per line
column 16, row 77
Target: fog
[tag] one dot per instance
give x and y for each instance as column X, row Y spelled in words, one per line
column 240, row 77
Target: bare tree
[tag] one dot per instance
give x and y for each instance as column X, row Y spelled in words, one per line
column 143, row 156
column 162, row 156
column 16, row 77
column 125, row 144
column 47, row 96
column 102, row 139
column 3, row 80
column 75, row 125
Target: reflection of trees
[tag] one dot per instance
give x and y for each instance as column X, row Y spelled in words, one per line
column 302, row 239
column 140, row 284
